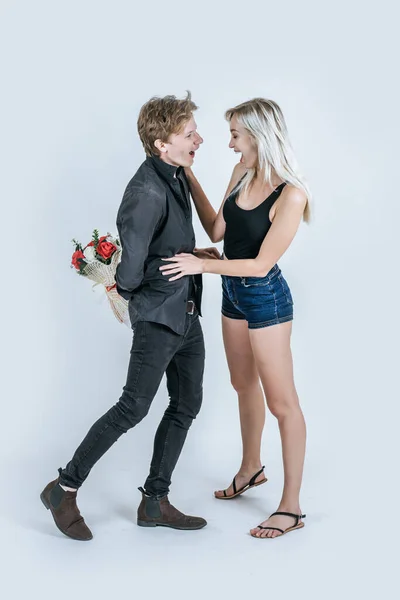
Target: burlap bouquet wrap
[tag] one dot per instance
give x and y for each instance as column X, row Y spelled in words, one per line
column 105, row 275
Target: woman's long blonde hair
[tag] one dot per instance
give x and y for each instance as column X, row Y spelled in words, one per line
column 264, row 121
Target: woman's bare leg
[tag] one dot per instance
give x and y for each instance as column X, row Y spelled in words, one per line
column 272, row 353
column 246, row 382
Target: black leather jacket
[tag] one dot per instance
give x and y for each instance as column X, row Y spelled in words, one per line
column 154, row 221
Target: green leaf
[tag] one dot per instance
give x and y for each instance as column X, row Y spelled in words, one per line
column 95, row 237
column 78, row 246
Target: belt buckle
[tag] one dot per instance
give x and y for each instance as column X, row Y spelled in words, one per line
column 193, row 307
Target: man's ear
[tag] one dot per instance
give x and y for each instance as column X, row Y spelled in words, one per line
column 161, row 146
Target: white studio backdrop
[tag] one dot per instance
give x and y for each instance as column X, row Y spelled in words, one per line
column 74, row 78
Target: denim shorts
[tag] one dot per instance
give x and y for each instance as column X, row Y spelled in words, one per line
column 261, row 301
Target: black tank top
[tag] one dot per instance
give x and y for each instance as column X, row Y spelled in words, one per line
column 246, row 229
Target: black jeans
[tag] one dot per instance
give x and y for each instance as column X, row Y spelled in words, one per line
column 156, row 350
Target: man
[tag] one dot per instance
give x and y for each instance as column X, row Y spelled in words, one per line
column 154, row 221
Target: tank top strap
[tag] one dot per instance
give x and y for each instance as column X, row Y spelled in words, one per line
column 235, row 188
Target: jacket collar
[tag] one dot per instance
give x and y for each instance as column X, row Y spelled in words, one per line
column 168, row 172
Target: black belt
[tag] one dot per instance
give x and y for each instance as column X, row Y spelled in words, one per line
column 190, row 307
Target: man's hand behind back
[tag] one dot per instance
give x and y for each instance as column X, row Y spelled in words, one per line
column 207, row 253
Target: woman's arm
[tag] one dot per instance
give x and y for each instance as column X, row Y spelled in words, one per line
column 213, row 223
column 288, row 215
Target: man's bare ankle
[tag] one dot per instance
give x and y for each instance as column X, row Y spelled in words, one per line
column 68, row 489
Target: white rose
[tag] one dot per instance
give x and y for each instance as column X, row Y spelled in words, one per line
column 89, row 254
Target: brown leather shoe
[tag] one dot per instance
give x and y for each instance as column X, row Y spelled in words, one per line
column 153, row 513
column 65, row 512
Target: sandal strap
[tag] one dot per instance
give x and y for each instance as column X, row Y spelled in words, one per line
column 248, row 485
column 253, row 479
column 288, row 514
column 251, row 482
column 276, row 528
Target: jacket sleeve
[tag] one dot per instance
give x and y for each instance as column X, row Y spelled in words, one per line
column 138, row 217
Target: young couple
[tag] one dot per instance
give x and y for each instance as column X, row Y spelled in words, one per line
column 160, row 273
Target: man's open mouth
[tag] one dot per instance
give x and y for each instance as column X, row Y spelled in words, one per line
column 191, row 153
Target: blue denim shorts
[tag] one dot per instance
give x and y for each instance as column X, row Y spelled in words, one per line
column 261, row 301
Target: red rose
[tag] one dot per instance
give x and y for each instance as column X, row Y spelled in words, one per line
column 90, row 244
column 76, row 259
column 104, row 248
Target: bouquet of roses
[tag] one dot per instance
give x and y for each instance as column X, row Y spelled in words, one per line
column 98, row 261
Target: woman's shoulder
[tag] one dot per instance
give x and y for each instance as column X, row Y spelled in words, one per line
column 291, row 200
column 237, row 174
column 239, row 170
column 293, row 195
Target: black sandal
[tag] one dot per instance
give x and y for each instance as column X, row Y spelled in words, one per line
column 243, row 489
column 299, row 524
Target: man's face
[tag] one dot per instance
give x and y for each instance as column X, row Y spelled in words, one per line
column 180, row 149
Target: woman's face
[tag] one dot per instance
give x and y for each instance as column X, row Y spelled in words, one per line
column 241, row 141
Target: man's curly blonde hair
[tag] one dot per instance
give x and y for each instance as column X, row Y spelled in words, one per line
column 159, row 118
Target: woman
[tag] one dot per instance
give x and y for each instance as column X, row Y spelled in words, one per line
column 265, row 202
